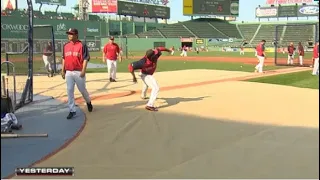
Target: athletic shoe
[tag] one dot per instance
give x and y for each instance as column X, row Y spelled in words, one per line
column 143, row 98
column 71, row 114
column 110, row 79
column 150, row 108
column 113, row 80
column 51, row 73
column 90, row 107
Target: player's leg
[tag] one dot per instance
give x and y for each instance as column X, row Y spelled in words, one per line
column 315, row 66
column 261, row 62
column 46, row 62
column 291, row 60
column 151, row 82
column 288, row 61
column 109, row 66
column 172, row 52
column 301, row 60
column 114, row 71
column 70, row 80
column 144, row 87
column 81, row 84
column 258, row 65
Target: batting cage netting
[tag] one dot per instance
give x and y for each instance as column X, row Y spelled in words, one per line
column 17, row 68
column 295, row 34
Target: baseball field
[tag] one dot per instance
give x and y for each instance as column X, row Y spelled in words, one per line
column 215, row 117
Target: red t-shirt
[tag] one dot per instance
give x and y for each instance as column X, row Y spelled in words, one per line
column 316, row 51
column 111, row 51
column 74, row 53
column 260, row 49
column 290, row 50
column 48, row 50
column 149, row 66
column 301, row 50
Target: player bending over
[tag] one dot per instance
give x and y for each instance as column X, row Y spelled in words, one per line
column 148, row 65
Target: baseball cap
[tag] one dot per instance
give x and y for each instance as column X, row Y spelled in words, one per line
column 72, row 31
column 111, row 38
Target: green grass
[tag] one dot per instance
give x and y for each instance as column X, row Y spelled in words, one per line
column 180, row 65
column 299, row 79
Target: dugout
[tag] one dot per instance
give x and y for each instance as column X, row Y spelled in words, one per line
column 188, row 42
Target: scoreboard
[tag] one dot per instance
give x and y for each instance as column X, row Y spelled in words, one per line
column 211, row 7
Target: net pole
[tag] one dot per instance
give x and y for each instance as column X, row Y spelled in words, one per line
column 30, row 42
column 275, row 47
column 54, row 50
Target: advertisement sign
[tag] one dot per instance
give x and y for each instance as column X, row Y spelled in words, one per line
column 273, row 2
column 143, row 10
column 209, row 7
column 52, row 2
column 8, row 4
column 288, row 11
column 93, row 45
column 199, row 41
column 103, row 6
column 266, row 12
column 308, row 10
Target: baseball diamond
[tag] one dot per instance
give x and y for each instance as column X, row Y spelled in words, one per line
column 190, row 89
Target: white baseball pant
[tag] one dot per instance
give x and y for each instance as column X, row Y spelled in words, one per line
column 184, row 53
column 150, row 81
column 241, row 52
column 47, row 60
column 72, row 78
column 301, row 60
column 172, row 52
column 290, row 59
column 259, row 66
column 315, row 70
column 112, row 68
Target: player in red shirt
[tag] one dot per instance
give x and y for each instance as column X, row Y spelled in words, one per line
column 301, row 53
column 75, row 57
column 148, row 65
column 241, row 50
column 316, row 59
column 47, row 58
column 291, row 50
column 111, row 52
column 261, row 55
column 172, row 50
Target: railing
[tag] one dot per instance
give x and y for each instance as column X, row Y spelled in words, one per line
column 8, row 63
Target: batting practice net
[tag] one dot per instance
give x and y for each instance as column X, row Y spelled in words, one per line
column 286, row 34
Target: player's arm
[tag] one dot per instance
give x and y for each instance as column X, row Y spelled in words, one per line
column 63, row 70
column 163, row 49
column 119, row 54
column 131, row 70
column 104, row 51
column 86, row 58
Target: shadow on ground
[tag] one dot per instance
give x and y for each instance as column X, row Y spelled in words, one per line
column 126, row 141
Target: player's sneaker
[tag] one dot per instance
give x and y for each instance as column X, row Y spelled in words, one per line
column 90, row 107
column 71, row 114
column 150, row 108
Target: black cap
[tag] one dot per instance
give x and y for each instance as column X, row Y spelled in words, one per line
column 111, row 38
column 72, row 31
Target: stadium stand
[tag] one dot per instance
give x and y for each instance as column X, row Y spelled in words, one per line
column 297, row 34
column 228, row 29
column 175, row 31
column 155, row 33
column 266, row 32
column 203, row 30
column 248, row 30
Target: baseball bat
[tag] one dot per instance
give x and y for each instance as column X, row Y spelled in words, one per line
column 22, row 135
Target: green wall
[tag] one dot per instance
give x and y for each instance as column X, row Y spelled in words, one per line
column 141, row 44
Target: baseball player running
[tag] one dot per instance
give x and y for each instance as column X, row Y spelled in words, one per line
column 75, row 57
column 111, row 51
column 316, row 59
column 301, row 53
column 261, row 55
column 148, row 65
column 47, row 58
column 291, row 50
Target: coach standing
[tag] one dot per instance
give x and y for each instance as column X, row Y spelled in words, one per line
column 291, row 50
column 75, row 57
column 261, row 55
column 301, row 53
column 111, row 52
column 316, row 59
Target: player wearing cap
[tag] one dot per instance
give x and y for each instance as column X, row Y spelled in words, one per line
column 148, row 65
column 111, row 52
column 75, row 57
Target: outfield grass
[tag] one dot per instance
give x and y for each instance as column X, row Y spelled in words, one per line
column 299, row 79
column 180, row 65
